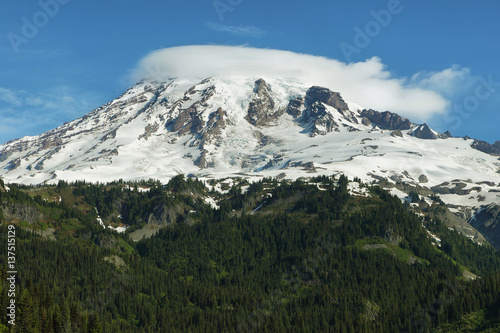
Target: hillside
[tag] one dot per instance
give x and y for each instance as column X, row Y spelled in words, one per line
column 307, row 255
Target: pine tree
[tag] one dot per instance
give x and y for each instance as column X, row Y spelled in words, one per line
column 94, row 325
column 27, row 321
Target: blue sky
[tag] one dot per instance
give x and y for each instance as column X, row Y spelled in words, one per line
column 62, row 58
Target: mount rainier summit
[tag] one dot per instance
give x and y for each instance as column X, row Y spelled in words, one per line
column 255, row 127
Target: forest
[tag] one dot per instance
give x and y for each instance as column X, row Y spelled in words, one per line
column 271, row 256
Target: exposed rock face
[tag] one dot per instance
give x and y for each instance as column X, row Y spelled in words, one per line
column 487, row 222
column 327, row 97
column 424, row 132
column 201, row 161
column 213, row 128
column 485, row 147
column 51, row 143
column 4, row 156
column 107, row 242
column 366, row 121
column 446, row 189
column 188, row 121
column 294, row 107
column 261, row 109
column 115, row 260
column 14, row 164
column 149, row 130
column 216, row 123
column 423, row 179
column 397, row 133
column 18, row 212
column 387, row 120
column 163, row 215
column 317, row 120
column 309, row 166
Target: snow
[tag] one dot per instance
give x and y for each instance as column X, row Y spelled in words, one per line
column 99, row 219
column 121, row 229
column 109, row 144
column 356, row 189
column 140, row 189
column 211, row 201
column 436, row 238
column 400, row 194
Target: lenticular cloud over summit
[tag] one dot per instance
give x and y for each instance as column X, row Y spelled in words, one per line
column 368, row 83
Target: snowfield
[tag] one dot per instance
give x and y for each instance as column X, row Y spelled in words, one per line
column 139, row 136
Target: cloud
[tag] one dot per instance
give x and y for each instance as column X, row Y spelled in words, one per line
column 24, row 113
column 9, row 96
column 448, row 82
column 250, row 31
column 367, row 83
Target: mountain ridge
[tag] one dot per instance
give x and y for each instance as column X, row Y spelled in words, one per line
column 249, row 127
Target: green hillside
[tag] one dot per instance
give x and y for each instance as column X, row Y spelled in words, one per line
column 301, row 256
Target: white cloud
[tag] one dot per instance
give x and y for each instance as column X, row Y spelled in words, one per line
column 10, row 97
column 26, row 113
column 34, row 101
column 368, row 83
column 250, row 31
column 448, row 82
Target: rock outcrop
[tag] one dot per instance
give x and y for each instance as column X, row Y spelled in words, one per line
column 487, row 222
column 387, row 120
column 326, row 96
column 424, row 132
column 295, row 107
column 485, row 147
column 316, row 118
column 261, row 110
column 165, row 215
column 18, row 212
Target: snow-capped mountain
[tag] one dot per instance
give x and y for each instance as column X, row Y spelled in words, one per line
column 254, row 127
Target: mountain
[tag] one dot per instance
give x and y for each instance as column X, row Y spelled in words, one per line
column 236, row 248
column 255, row 127
column 274, row 256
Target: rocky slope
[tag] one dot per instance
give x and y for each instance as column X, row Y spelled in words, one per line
column 487, row 221
column 255, row 127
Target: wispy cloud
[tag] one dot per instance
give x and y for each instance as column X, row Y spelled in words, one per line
column 10, row 97
column 369, row 83
column 24, row 113
column 250, row 31
column 450, row 81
